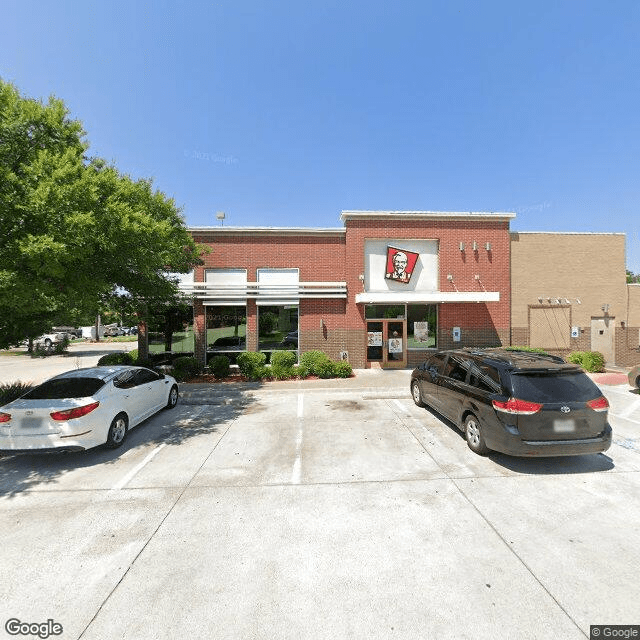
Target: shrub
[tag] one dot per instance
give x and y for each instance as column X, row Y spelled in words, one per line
column 219, row 366
column 12, row 390
column 62, row 346
column 342, row 369
column 111, row 359
column 283, row 359
column 185, row 368
column 325, row 368
column 312, row 360
column 591, row 361
column 250, row 362
column 282, row 365
column 134, row 355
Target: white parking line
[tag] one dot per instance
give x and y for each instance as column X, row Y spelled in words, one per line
column 123, row 481
column 296, row 473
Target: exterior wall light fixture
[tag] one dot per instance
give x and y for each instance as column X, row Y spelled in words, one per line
column 487, row 246
column 475, row 245
column 462, row 246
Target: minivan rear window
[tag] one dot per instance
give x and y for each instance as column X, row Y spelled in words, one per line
column 65, row 388
column 554, row 387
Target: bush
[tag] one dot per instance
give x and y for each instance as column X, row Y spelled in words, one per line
column 283, row 359
column 282, row 365
column 111, row 359
column 591, row 361
column 62, row 346
column 185, row 368
column 342, row 369
column 325, row 368
column 311, row 361
column 134, row 355
column 250, row 364
column 149, row 364
column 12, row 390
column 219, row 366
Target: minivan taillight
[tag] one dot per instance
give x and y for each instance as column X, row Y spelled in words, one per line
column 520, row 407
column 599, row 404
column 76, row 412
column 5, row 417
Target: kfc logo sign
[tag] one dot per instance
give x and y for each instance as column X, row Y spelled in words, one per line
column 400, row 264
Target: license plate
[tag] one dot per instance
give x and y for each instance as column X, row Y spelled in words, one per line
column 564, row 426
column 31, row 423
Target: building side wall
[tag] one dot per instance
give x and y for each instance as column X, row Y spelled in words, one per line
column 561, row 281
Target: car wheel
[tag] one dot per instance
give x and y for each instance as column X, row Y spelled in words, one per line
column 473, row 433
column 117, row 431
column 173, row 397
column 417, row 396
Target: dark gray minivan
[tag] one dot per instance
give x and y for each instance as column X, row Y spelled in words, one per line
column 515, row 402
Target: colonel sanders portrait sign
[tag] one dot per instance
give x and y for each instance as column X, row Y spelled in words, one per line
column 400, row 264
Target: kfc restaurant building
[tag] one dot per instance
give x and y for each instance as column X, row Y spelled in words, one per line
column 381, row 291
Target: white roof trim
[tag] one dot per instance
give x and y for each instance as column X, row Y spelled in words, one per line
column 415, row 215
column 383, row 297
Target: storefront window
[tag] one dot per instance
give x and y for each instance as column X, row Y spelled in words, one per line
column 393, row 311
column 226, row 331
column 422, row 326
column 277, row 327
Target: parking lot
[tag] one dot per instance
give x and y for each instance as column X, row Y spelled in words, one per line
column 321, row 510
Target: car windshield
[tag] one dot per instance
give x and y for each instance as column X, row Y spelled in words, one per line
column 571, row 386
column 65, row 388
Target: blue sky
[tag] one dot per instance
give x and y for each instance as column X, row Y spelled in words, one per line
column 286, row 113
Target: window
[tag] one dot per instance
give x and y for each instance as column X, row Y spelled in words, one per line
column 485, row 378
column 456, row 369
column 277, row 327
column 436, row 363
column 378, row 311
column 422, row 326
column 65, row 388
column 226, row 331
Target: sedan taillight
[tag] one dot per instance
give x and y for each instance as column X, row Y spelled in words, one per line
column 76, row 412
column 520, row 407
column 599, row 404
column 5, row 417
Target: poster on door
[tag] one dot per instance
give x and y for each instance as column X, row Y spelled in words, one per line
column 395, row 345
column 374, row 338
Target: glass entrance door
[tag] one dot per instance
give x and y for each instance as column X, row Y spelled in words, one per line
column 387, row 343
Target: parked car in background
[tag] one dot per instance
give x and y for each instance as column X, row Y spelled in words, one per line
column 515, row 402
column 50, row 340
column 71, row 332
column 113, row 331
column 84, row 408
column 634, row 377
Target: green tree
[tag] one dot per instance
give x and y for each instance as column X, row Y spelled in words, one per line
column 75, row 234
column 632, row 277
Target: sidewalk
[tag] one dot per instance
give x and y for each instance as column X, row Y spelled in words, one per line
column 378, row 382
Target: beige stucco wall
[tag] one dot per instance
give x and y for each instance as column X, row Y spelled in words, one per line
column 589, row 267
column 634, row 305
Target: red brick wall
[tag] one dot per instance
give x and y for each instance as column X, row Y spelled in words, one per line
column 492, row 266
column 319, row 257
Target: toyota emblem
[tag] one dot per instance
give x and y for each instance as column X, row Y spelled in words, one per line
column 565, row 409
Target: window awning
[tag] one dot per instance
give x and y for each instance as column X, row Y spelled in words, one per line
column 426, row 297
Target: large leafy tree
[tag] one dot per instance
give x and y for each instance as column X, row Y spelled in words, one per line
column 74, row 231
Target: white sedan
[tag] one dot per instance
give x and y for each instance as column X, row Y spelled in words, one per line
column 84, row 408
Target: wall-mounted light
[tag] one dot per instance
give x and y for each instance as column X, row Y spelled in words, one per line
column 321, row 323
column 462, row 246
column 540, row 299
column 578, row 301
column 487, row 246
column 477, row 276
column 361, row 277
column 475, row 245
column 450, row 277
